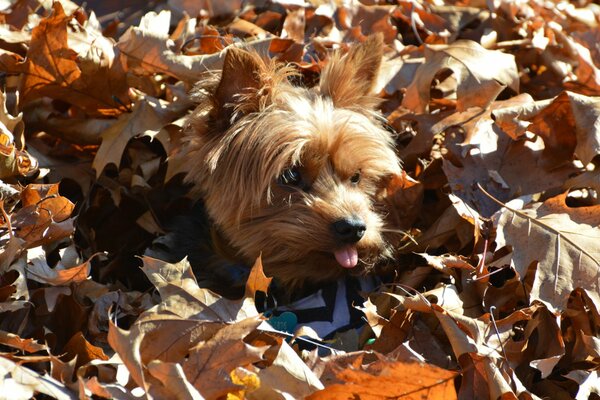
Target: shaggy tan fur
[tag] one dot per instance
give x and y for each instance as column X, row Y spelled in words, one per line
column 252, row 125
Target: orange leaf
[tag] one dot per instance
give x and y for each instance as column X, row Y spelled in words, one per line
column 257, row 280
column 84, row 350
column 385, row 380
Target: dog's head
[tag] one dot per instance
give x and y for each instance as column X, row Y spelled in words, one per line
column 296, row 174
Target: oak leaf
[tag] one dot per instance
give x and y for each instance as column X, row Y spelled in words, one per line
column 16, row 342
column 67, row 271
column 480, row 74
column 43, row 219
column 257, row 280
column 24, row 383
column 148, row 49
column 484, row 155
column 148, row 116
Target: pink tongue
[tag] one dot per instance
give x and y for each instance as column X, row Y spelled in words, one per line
column 347, row 256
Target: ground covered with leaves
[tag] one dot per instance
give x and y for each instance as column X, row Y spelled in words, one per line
column 497, row 122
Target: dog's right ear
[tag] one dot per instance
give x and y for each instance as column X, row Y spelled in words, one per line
column 240, row 83
column 349, row 80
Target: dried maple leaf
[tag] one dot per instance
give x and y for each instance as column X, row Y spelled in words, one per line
column 373, row 18
column 127, row 345
column 10, row 62
column 173, row 380
column 568, row 126
column 287, row 374
column 16, row 13
column 81, row 131
column 192, row 326
column 14, row 124
column 404, row 198
column 52, row 69
column 177, row 284
column 558, row 243
column 209, row 363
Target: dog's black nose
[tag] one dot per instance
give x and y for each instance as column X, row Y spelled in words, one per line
column 349, row 230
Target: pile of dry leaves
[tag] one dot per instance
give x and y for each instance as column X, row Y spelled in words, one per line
column 497, row 123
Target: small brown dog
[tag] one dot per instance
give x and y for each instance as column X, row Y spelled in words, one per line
column 295, row 174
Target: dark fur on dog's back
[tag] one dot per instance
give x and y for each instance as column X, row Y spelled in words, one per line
column 279, row 166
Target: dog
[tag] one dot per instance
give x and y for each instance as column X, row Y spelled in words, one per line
column 293, row 174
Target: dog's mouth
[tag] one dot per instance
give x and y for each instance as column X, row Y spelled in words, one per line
column 347, row 256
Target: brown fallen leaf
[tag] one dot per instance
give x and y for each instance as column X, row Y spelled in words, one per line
column 404, row 199
column 454, row 136
column 482, row 154
column 14, row 160
column 25, row 383
column 51, row 69
column 569, row 125
column 127, row 345
column 148, row 116
column 560, row 241
column 188, row 328
column 477, row 344
column 17, row 13
column 106, row 379
column 174, row 381
column 26, row 345
column 209, row 8
column 13, row 124
column 11, row 62
column 287, row 374
column 14, row 275
column 85, row 352
column 209, row 363
column 147, row 50
column 68, row 270
column 295, row 25
column 374, row 18
column 45, row 220
column 177, row 285
column 480, row 75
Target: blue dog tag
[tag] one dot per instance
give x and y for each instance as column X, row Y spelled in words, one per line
column 285, row 322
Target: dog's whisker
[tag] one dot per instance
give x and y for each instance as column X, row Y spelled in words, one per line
column 400, row 232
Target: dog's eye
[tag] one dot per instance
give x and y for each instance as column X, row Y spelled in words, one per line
column 355, row 178
column 291, row 177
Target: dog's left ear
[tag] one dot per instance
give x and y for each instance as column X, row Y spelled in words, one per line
column 348, row 80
